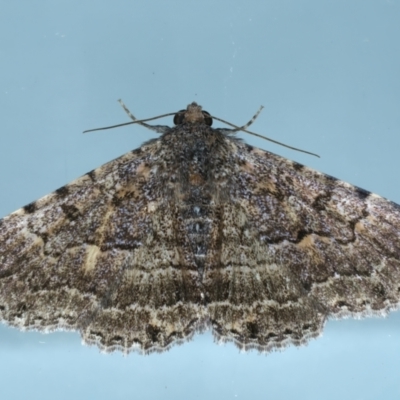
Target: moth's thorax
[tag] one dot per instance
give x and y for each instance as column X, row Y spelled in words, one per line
column 197, row 156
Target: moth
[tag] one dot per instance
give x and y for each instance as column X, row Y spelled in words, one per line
column 198, row 230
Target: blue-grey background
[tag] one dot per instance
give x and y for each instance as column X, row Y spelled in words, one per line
column 328, row 74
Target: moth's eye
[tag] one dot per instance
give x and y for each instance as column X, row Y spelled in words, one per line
column 179, row 117
column 207, row 118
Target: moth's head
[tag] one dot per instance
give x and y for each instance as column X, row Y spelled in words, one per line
column 192, row 115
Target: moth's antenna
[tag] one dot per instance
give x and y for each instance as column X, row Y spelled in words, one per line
column 243, row 128
column 131, row 116
column 135, row 121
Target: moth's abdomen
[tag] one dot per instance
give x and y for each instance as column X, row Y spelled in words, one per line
column 197, row 226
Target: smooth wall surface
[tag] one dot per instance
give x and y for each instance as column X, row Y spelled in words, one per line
column 327, row 73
